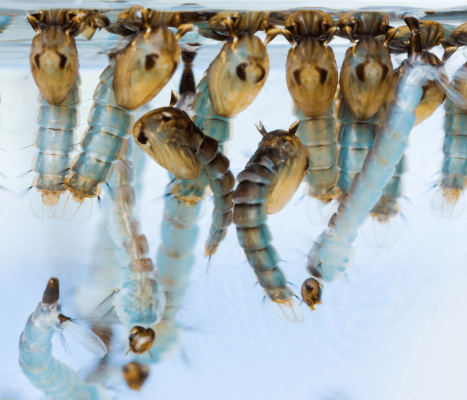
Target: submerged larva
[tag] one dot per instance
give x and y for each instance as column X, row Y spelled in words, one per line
column 266, row 185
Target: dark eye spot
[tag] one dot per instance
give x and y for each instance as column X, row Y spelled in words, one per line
column 296, row 76
column 150, row 61
column 360, row 71
column 322, row 75
column 241, row 71
column 142, row 138
column 37, row 60
column 62, row 61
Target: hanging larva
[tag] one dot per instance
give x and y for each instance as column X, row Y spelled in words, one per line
column 311, row 74
column 230, row 85
column 141, row 299
column 38, row 364
column 266, row 185
column 453, row 178
column 135, row 82
column 365, row 81
column 332, row 252
column 172, row 140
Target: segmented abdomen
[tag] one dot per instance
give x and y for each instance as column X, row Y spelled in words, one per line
column 356, row 139
column 42, row 369
column 55, row 139
column 142, row 300
column 218, row 128
column 253, row 234
column 388, row 205
column 103, row 143
column 175, row 260
column 318, row 135
column 453, row 179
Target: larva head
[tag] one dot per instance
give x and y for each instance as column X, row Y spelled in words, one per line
column 237, row 75
column 171, row 139
column 52, row 292
column 141, row 339
column 145, row 66
column 357, row 24
column 135, row 374
column 431, row 35
column 312, row 76
column 54, row 63
column 366, row 78
column 311, row 293
column 313, row 23
column 290, row 160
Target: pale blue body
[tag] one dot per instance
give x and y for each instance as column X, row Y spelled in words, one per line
column 219, row 128
column 332, row 253
column 454, row 167
column 318, row 135
column 356, row 138
column 141, row 300
column 175, row 260
column 104, row 141
column 38, row 364
column 55, row 140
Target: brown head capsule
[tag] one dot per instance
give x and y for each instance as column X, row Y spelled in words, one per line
column 52, row 292
column 366, row 73
column 171, row 139
column 135, row 374
column 53, row 57
column 311, row 66
column 148, row 62
column 311, row 293
column 141, row 339
column 240, row 70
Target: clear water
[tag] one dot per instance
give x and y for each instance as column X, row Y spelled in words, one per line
column 394, row 328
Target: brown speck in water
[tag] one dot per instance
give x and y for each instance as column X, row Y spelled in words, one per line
column 311, row 293
column 135, row 374
column 141, row 339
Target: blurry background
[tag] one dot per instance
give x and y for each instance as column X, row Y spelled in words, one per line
column 394, row 328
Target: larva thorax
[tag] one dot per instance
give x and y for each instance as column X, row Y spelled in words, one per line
column 54, row 57
column 148, row 62
column 240, row 70
column 311, row 70
column 366, row 77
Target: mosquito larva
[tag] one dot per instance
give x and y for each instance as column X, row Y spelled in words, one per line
column 141, row 299
column 43, row 370
column 172, row 140
column 312, row 78
column 136, row 82
column 332, row 252
column 103, row 143
column 365, row 82
column 266, row 185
